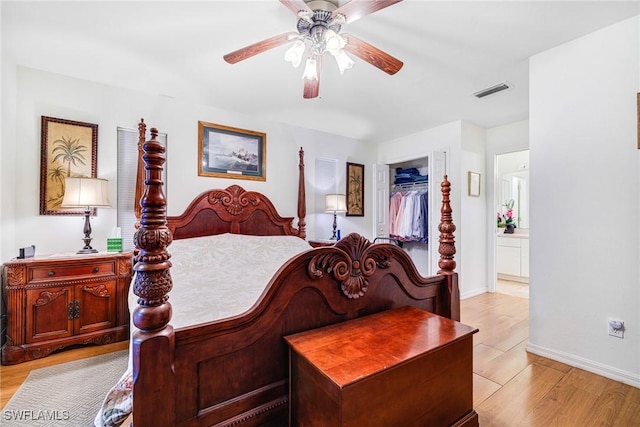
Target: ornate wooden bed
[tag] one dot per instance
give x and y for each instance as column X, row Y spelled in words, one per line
column 234, row 372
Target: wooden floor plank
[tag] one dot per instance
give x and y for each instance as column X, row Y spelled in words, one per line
column 515, row 400
column 503, row 368
column 483, row 354
column 482, row 389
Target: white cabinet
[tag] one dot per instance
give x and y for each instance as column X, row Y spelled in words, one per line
column 512, row 258
column 524, row 257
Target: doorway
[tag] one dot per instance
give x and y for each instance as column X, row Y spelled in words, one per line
column 512, row 208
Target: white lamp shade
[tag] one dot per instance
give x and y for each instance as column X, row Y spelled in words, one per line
column 86, row 192
column 335, row 203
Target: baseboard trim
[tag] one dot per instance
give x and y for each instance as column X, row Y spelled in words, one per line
column 606, row 371
column 473, row 293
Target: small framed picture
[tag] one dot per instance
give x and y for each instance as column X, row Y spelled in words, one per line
column 355, row 189
column 474, row 184
column 227, row 152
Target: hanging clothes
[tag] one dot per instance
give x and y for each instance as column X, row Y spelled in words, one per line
column 409, row 215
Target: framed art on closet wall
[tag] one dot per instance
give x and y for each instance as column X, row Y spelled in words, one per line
column 355, row 189
column 68, row 149
column 474, row 184
column 228, row 152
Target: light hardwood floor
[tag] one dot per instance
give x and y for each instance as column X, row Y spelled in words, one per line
column 514, row 388
column 511, row 387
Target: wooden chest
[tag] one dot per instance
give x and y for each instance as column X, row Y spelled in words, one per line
column 402, row 367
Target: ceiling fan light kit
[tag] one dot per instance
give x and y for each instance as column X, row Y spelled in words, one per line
column 319, row 24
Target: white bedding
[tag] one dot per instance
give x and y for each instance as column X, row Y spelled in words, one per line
column 214, row 277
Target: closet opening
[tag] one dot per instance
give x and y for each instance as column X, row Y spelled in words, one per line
column 413, row 182
column 409, row 210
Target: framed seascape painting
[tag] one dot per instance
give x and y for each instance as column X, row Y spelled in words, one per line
column 227, row 152
column 355, row 189
column 68, row 149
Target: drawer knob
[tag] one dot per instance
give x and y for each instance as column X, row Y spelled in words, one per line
column 96, row 269
column 51, row 273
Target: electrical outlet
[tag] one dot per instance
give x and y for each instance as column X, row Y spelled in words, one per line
column 616, row 328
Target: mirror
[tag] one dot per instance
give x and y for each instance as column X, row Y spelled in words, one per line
column 513, row 171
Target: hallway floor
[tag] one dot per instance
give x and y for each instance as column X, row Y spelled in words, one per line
column 513, row 288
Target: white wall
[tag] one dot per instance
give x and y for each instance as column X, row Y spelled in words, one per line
column 40, row 93
column 472, row 247
column 464, row 144
column 585, row 214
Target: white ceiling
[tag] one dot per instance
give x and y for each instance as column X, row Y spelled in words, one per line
column 450, row 50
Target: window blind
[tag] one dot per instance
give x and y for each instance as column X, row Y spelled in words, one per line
column 127, row 170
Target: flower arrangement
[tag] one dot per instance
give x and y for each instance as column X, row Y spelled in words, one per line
column 506, row 219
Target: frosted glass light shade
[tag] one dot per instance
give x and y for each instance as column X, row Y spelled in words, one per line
column 86, row 192
column 295, row 52
column 334, row 43
column 343, row 60
column 335, row 203
column 310, row 70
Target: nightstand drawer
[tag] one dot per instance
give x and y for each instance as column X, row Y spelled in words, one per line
column 67, row 272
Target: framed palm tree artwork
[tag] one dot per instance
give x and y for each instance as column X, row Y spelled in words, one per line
column 68, row 149
column 355, row 189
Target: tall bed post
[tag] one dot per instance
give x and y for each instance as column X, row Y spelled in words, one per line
column 153, row 374
column 447, row 249
column 302, row 203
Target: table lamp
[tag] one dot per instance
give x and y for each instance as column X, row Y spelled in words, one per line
column 86, row 193
column 335, row 203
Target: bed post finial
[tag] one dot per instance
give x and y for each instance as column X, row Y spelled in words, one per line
column 447, row 248
column 302, row 202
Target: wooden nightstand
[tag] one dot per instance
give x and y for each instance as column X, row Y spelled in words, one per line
column 321, row 243
column 55, row 302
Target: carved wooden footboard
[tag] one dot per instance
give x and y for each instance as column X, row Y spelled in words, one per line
column 234, row 372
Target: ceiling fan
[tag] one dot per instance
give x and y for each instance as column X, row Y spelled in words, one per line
column 319, row 25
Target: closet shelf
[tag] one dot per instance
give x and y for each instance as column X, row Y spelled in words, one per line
column 421, row 185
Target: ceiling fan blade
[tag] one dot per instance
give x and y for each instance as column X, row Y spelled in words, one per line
column 262, row 46
column 372, row 55
column 296, row 6
column 312, row 87
column 356, row 9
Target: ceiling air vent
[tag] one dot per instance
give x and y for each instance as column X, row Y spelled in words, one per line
column 492, row 89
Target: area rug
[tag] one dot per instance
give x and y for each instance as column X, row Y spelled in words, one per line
column 65, row 395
